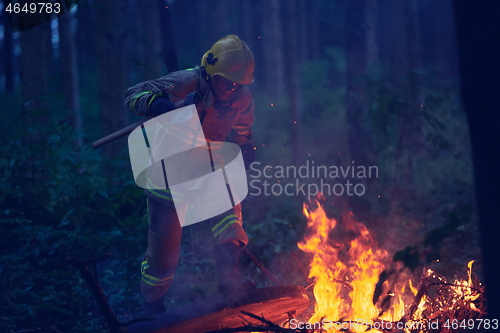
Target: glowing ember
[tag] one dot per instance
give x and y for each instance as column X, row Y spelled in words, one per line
column 355, row 282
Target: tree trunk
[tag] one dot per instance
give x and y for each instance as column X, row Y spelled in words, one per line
column 248, row 19
column 203, row 19
column 372, row 48
column 416, row 137
column 477, row 27
column 233, row 19
column 168, row 40
column 314, row 38
column 414, row 51
column 303, row 22
column 85, row 34
column 293, row 82
column 358, row 132
column 35, row 60
column 399, row 78
column 385, row 39
column 407, row 71
column 219, row 14
column 149, row 40
column 399, row 55
column 69, row 74
column 8, row 50
column 446, row 62
column 112, row 75
column 272, row 38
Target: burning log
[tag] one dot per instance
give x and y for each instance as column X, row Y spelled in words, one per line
column 225, row 313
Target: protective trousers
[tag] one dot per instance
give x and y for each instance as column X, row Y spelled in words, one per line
column 164, row 244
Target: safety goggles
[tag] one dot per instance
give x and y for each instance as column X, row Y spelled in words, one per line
column 222, row 84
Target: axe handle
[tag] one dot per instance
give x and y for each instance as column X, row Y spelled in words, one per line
column 126, row 130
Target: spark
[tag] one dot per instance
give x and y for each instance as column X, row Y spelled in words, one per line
column 272, row 104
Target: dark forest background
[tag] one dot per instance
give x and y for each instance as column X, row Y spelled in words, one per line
column 374, row 81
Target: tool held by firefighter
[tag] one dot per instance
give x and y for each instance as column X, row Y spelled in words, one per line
column 127, row 130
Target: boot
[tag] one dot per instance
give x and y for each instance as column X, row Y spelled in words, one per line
column 155, row 308
column 227, row 258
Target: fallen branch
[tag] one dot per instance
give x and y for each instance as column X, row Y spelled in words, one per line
column 262, row 319
column 115, row 326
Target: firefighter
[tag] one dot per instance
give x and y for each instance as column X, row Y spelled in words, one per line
column 226, row 109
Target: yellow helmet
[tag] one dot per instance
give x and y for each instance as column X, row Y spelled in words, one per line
column 231, row 58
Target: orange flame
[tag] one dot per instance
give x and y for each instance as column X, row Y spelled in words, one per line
column 346, row 265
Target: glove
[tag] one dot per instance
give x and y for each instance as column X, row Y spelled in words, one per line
column 248, row 152
column 192, row 98
column 160, row 106
column 163, row 104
